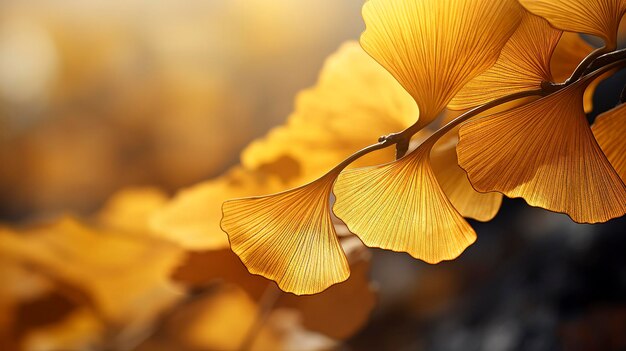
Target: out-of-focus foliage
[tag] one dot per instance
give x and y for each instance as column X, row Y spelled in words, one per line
column 101, row 94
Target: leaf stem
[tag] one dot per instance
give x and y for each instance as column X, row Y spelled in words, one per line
column 607, row 62
column 585, row 64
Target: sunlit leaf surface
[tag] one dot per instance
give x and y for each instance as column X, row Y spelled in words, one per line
column 192, row 218
column 289, row 237
column 434, row 47
column 609, row 130
column 354, row 102
column 453, row 180
column 401, row 207
column 568, row 54
column 596, row 17
column 522, row 66
column 545, row 153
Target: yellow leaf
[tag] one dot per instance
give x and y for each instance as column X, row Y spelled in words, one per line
column 434, row 47
column 354, row 102
column 570, row 51
column 545, row 153
column 609, row 130
column 192, row 218
column 129, row 209
column 522, row 66
column 289, row 237
column 456, row 186
column 401, row 207
column 595, row 17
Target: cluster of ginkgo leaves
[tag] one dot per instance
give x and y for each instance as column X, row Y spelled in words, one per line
column 526, row 135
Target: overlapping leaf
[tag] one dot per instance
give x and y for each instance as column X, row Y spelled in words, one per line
column 454, row 183
column 595, row 17
column 337, row 312
column 434, row 47
column 289, row 237
column 609, row 130
column 401, row 207
column 545, row 153
column 523, row 65
column 353, row 103
column 192, row 218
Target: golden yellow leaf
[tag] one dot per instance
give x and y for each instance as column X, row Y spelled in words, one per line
column 570, row 51
column 98, row 263
column 129, row 209
column 289, row 237
column 545, row 153
column 341, row 310
column 434, row 47
column 609, row 130
column 595, row 17
column 192, row 218
column 354, row 102
column 522, row 66
column 401, row 207
column 453, row 180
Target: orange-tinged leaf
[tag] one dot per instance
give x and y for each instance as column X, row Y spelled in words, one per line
column 434, row 47
column 609, row 130
column 401, row 207
column 456, row 186
column 595, row 17
column 289, row 237
column 192, row 218
column 569, row 52
column 522, row 66
column 354, row 102
column 545, row 153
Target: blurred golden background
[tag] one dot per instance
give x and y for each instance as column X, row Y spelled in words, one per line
column 97, row 95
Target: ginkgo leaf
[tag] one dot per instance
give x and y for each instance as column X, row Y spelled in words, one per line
column 289, row 237
column 569, row 52
column 522, row 66
column 401, row 207
column 192, row 218
column 129, row 209
column 609, row 130
column 342, row 309
column 335, row 118
column 595, row 17
column 434, row 47
column 456, row 186
column 545, row 153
